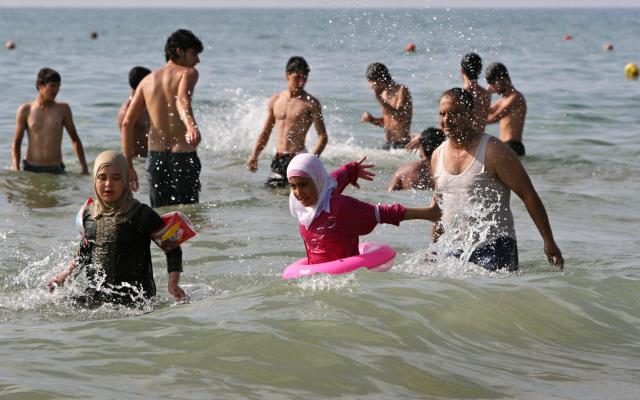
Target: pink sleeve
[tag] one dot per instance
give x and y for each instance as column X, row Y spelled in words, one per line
column 391, row 213
column 345, row 175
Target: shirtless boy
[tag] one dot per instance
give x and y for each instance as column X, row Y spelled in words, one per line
column 173, row 166
column 417, row 174
column 471, row 66
column 397, row 107
column 292, row 112
column 43, row 120
column 142, row 124
column 510, row 110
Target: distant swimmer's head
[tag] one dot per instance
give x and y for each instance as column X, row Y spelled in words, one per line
column 378, row 75
column 183, row 47
column 311, row 187
column 297, row 72
column 497, row 77
column 48, row 82
column 136, row 74
column 471, row 65
column 456, row 113
column 430, row 139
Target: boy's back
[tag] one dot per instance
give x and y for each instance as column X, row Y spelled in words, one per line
column 160, row 90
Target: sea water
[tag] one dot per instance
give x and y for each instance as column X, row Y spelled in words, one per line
column 423, row 330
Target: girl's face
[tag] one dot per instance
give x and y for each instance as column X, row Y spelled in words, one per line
column 109, row 184
column 304, row 190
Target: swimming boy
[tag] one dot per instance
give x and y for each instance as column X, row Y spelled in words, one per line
column 417, row 174
column 43, row 119
column 510, row 110
column 470, row 68
column 173, row 165
column 397, row 106
column 142, row 123
column 292, row 112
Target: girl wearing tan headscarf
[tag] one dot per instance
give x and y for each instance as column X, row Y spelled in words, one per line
column 115, row 250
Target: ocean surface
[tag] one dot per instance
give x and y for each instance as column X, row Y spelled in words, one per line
column 421, row 331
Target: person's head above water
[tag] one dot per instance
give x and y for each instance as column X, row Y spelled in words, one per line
column 496, row 72
column 136, row 74
column 180, row 42
column 456, row 113
column 47, row 75
column 297, row 64
column 311, row 187
column 471, row 65
column 378, row 72
column 430, row 139
column 111, row 183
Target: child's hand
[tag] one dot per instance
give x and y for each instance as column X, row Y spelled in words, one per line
column 414, row 144
column 436, row 210
column 363, row 172
column 57, row 280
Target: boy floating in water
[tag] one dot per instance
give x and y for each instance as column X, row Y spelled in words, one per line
column 397, row 107
column 510, row 110
column 330, row 222
column 43, row 119
column 142, row 124
column 292, row 112
column 417, row 174
column 115, row 249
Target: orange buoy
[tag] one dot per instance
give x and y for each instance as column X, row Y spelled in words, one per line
column 9, row 45
column 410, row 48
column 567, row 37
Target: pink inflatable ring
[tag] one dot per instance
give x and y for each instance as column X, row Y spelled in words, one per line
column 374, row 256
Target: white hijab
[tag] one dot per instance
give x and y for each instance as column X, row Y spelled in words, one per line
column 309, row 166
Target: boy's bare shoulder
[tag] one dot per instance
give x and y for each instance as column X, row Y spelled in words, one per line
column 24, row 109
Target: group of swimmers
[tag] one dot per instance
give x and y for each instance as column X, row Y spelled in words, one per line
column 158, row 121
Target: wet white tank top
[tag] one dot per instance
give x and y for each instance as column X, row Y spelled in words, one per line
column 475, row 205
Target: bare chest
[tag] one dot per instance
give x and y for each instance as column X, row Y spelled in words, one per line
column 44, row 120
column 287, row 109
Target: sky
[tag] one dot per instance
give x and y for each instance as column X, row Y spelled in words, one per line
column 320, row 3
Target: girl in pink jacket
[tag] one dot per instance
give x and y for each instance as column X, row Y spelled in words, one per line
column 330, row 222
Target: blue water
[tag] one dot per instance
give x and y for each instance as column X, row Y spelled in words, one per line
column 419, row 331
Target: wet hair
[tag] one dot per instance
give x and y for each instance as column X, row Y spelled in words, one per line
column 136, row 74
column 471, row 65
column 47, row 75
column 378, row 72
column 461, row 96
column 181, row 39
column 496, row 72
column 430, row 139
column 297, row 64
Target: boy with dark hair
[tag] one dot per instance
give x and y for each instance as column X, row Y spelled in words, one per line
column 417, row 174
column 44, row 119
column 142, row 123
column 292, row 112
column 173, row 165
column 397, row 106
column 510, row 109
column 470, row 67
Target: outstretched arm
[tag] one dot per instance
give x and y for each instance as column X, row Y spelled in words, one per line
column 21, row 126
column 263, row 138
column 183, row 104
column 431, row 213
column 349, row 174
column 61, row 277
column 367, row 117
column 75, row 139
column 511, row 172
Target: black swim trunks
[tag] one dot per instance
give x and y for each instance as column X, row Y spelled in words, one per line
column 279, row 164
column 174, row 178
column 516, row 146
column 49, row 169
column 395, row 144
column 499, row 254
